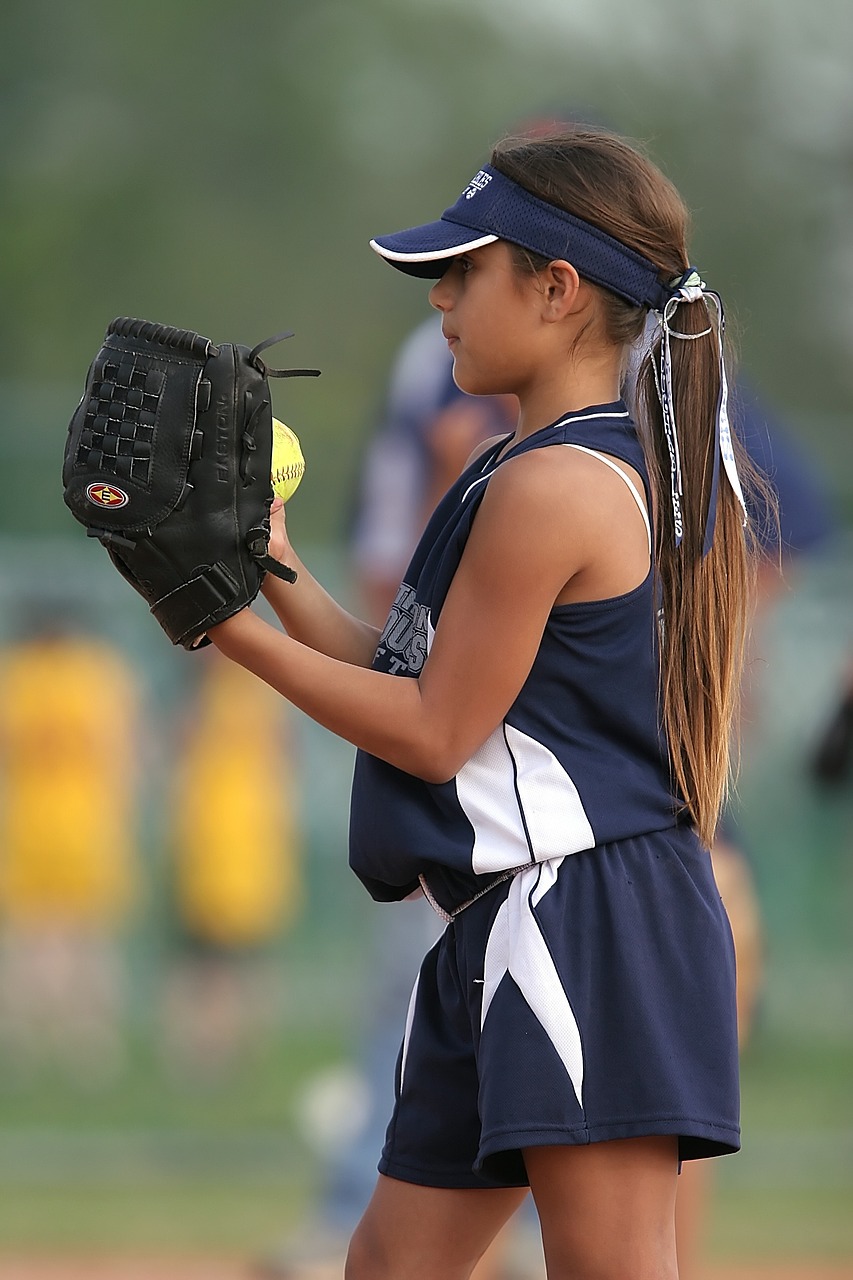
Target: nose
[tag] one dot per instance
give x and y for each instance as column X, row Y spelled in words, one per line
column 439, row 296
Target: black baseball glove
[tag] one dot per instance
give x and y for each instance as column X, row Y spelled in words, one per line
column 167, row 463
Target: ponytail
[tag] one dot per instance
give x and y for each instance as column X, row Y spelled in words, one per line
column 705, row 595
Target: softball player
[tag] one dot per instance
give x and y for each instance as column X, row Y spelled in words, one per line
column 543, row 726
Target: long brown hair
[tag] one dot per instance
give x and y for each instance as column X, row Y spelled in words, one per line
column 705, row 600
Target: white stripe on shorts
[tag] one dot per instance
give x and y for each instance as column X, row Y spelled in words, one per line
column 516, row 947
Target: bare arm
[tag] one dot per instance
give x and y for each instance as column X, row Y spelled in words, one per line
column 308, row 613
column 535, row 531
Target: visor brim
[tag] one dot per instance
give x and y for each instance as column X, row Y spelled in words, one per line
column 424, row 251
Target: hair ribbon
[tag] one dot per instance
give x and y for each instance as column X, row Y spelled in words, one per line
column 691, row 288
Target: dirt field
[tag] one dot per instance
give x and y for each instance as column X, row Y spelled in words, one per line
column 159, row 1268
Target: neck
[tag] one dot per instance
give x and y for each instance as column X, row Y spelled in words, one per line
column 543, row 404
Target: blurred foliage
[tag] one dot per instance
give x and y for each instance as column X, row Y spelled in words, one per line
column 222, row 168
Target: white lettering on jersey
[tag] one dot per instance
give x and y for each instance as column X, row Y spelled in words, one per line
column 406, row 636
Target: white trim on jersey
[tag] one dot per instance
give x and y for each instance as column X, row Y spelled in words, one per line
column 614, row 466
column 480, row 480
column 581, row 417
column 407, row 1034
column 590, row 417
column 517, row 948
column 521, row 802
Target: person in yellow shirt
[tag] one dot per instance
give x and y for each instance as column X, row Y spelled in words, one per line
column 234, row 876
column 68, row 846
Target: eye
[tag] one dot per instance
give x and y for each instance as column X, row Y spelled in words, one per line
column 459, row 265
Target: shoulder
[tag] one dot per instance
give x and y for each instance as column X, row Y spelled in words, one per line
column 552, row 474
column 537, row 504
column 562, row 497
column 537, row 526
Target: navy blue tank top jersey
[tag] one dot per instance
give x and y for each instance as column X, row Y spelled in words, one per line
column 579, row 759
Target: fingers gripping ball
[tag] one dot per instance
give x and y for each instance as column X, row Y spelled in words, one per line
column 288, row 464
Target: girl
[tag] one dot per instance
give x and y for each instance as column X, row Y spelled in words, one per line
column 543, row 728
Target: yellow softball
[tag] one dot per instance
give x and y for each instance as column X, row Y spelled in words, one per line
column 288, row 464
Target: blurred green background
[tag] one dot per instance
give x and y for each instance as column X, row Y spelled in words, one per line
column 221, row 167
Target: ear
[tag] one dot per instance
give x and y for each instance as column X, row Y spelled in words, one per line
column 561, row 287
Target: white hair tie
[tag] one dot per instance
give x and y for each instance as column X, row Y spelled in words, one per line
column 691, row 288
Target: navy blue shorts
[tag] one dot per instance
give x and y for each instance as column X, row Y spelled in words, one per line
column 585, row 999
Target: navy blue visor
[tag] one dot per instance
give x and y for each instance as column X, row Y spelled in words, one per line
column 493, row 207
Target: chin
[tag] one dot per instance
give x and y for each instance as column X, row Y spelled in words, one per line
column 472, row 385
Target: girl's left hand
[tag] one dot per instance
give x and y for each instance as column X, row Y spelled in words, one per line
column 279, row 544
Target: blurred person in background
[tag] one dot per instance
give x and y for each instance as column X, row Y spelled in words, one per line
column 424, row 436
column 234, row 881
column 69, row 739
